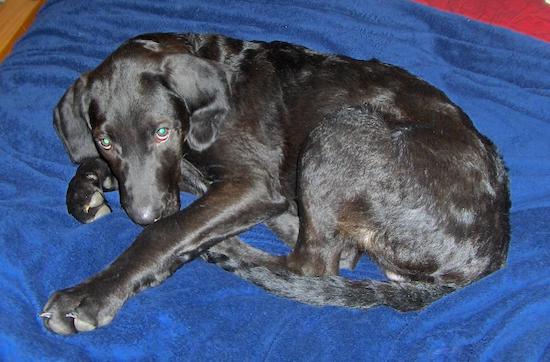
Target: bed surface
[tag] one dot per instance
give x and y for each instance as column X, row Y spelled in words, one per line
column 500, row 78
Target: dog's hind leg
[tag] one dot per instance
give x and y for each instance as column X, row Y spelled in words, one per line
column 286, row 227
column 342, row 172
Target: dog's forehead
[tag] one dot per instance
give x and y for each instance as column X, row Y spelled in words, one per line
column 130, row 105
column 126, row 83
column 122, row 74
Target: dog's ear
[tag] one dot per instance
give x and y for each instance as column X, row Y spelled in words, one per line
column 204, row 88
column 72, row 122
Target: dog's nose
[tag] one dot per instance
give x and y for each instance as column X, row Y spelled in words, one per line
column 146, row 215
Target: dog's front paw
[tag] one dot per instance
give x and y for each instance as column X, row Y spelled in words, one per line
column 85, row 200
column 82, row 308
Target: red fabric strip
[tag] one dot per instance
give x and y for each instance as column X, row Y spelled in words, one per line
column 530, row 17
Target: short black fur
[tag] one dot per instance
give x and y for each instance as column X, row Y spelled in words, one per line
column 339, row 157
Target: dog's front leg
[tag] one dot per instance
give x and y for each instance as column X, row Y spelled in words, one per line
column 225, row 210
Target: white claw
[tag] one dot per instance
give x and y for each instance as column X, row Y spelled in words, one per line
column 46, row 315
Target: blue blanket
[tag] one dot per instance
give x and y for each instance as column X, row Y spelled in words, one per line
column 501, row 79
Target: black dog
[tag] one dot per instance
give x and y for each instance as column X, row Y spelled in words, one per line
column 338, row 156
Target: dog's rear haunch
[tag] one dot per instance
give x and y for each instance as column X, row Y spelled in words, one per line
column 339, row 157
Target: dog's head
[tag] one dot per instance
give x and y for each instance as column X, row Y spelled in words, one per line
column 136, row 110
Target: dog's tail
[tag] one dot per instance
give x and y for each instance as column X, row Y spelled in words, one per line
column 338, row 291
column 327, row 291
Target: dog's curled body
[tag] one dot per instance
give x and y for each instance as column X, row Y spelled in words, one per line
column 340, row 157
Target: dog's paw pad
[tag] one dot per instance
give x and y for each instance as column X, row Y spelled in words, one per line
column 88, row 207
column 102, row 211
column 81, row 324
column 59, row 326
column 97, row 213
column 96, row 200
column 85, row 199
column 80, row 309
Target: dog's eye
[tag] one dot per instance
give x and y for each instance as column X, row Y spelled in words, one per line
column 105, row 142
column 162, row 134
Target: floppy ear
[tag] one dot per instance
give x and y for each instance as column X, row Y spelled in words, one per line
column 72, row 122
column 203, row 86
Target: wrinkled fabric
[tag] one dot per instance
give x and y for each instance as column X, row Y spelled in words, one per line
column 202, row 313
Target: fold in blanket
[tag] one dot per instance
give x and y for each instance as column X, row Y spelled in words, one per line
column 498, row 77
